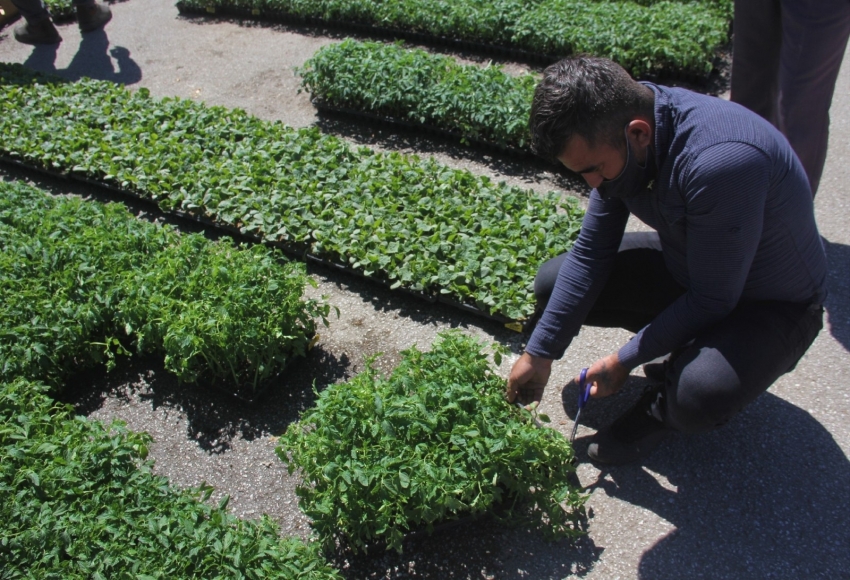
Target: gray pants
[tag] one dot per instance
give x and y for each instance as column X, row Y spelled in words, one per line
column 35, row 10
column 785, row 61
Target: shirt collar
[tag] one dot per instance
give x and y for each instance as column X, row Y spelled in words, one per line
column 663, row 121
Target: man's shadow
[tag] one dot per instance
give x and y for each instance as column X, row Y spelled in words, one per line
column 92, row 60
column 765, row 496
column 838, row 302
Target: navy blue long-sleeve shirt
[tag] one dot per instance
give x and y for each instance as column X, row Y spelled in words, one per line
column 734, row 212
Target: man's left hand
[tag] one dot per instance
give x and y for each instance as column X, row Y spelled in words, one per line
column 607, row 376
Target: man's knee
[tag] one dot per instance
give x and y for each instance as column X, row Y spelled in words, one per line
column 704, row 394
column 544, row 281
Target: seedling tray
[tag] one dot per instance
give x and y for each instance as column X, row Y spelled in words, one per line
column 490, row 146
column 296, row 251
column 483, row 48
column 421, row 532
column 371, row 30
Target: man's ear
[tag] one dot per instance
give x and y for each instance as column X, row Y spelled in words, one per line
column 640, row 133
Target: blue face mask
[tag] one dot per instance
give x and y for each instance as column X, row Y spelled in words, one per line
column 633, row 179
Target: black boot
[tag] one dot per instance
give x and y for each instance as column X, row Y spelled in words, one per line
column 634, row 435
column 92, row 16
column 41, row 32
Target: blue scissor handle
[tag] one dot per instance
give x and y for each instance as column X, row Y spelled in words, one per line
column 583, row 388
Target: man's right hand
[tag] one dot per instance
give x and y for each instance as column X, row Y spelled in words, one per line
column 528, row 379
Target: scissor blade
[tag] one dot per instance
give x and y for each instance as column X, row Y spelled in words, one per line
column 575, row 426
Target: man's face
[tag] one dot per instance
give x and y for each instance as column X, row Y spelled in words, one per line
column 595, row 164
column 605, row 161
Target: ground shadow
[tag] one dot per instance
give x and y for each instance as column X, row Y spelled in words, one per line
column 599, row 413
column 480, row 548
column 214, row 417
column 93, row 59
column 416, row 307
column 763, row 497
column 838, row 302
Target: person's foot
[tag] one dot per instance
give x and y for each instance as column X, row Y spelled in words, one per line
column 41, row 32
column 634, row 435
column 92, row 16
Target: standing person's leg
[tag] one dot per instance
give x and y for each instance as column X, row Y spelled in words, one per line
column 814, row 39
column 32, row 10
column 91, row 15
column 756, row 44
column 37, row 27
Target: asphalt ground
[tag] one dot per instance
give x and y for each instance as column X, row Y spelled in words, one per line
column 766, row 496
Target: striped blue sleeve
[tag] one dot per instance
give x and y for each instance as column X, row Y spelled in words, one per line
column 581, row 277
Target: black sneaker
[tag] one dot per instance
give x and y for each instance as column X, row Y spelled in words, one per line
column 634, row 435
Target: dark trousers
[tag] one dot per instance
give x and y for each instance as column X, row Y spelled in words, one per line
column 35, row 10
column 725, row 367
column 785, row 62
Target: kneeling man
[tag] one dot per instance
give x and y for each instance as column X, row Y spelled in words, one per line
column 729, row 286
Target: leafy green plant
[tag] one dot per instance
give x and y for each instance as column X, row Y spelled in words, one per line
column 82, row 282
column 221, row 313
column 58, row 263
column 62, row 10
column 482, row 104
column 410, row 223
column 647, row 37
column 433, row 441
column 77, row 500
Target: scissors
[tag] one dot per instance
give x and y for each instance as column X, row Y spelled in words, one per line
column 583, row 395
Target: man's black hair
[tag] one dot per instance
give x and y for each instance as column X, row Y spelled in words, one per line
column 587, row 96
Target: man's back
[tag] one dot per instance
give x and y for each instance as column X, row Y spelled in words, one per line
column 723, row 168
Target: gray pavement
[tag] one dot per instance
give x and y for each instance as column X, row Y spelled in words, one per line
column 764, row 497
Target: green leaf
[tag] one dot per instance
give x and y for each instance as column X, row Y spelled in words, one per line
column 446, row 443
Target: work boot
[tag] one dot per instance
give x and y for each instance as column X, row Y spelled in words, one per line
column 634, row 435
column 41, row 32
column 92, row 15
